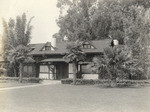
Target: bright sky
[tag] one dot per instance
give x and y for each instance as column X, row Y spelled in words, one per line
column 45, row 14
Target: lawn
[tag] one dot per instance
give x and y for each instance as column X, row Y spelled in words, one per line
column 69, row 98
column 5, row 84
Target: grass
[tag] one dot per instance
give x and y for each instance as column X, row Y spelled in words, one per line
column 70, row 98
column 5, row 84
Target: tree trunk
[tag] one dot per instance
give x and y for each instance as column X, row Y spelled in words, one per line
column 99, row 74
column 113, row 82
column 15, row 73
column 113, row 78
column 20, row 72
column 74, row 66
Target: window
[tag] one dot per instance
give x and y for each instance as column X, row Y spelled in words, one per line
column 47, row 48
column 85, row 70
column 25, row 69
column 28, row 69
column 71, row 69
column 86, row 45
column 44, row 68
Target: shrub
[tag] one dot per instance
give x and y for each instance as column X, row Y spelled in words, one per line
column 25, row 74
column 24, row 80
column 120, row 83
column 31, row 80
column 9, row 78
column 83, row 81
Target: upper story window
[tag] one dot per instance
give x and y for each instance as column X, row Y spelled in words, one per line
column 86, row 45
column 47, row 48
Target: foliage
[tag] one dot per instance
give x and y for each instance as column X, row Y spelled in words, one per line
column 95, row 19
column 19, row 55
column 74, row 55
column 74, row 52
column 75, row 24
column 127, row 21
column 117, row 63
column 25, row 80
column 2, row 71
column 104, row 83
column 31, row 80
column 16, row 35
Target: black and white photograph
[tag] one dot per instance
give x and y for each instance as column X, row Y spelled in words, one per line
column 74, row 55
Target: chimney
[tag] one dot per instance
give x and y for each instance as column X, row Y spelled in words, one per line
column 54, row 42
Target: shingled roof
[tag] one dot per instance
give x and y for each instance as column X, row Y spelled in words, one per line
column 99, row 46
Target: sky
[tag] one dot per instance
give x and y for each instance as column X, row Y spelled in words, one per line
column 45, row 14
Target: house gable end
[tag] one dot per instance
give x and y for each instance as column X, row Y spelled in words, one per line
column 48, row 47
column 87, row 45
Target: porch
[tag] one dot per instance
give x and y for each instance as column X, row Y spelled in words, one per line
column 53, row 69
column 57, row 69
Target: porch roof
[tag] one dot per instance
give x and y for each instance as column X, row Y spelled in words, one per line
column 53, row 60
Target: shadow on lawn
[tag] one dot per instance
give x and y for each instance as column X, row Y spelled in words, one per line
column 123, row 86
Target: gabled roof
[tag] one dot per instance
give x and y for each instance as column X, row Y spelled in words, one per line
column 36, row 48
column 49, row 45
column 88, row 42
column 99, row 45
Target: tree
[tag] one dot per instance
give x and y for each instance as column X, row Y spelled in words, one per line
column 124, row 20
column 98, row 66
column 16, row 32
column 90, row 19
column 19, row 54
column 136, row 31
column 76, row 23
column 74, row 55
column 117, row 63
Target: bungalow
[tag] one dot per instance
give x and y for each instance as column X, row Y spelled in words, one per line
column 49, row 62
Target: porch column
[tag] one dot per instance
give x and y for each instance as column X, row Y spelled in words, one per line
column 37, row 69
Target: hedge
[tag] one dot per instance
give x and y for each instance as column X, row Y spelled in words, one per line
column 106, row 82
column 24, row 80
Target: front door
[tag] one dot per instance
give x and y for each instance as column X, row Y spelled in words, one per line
column 61, row 70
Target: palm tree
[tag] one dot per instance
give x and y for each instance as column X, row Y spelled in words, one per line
column 74, row 55
column 19, row 55
column 116, row 61
column 16, row 32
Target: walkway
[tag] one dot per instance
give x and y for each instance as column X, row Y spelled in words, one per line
column 44, row 82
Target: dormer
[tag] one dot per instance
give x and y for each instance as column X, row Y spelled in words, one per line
column 48, row 47
column 87, row 45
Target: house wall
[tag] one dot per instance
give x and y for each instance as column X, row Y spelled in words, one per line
column 90, row 76
column 86, row 73
column 46, row 73
column 70, row 70
column 64, row 70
